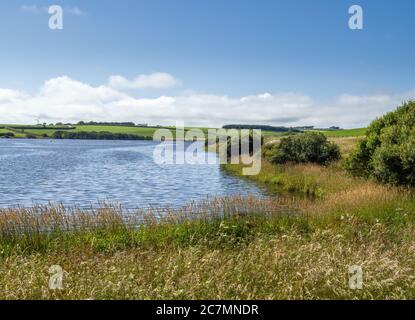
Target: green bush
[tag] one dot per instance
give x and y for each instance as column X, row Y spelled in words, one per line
column 387, row 154
column 310, row 147
column 7, row 135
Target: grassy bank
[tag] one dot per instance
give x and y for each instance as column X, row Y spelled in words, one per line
column 237, row 248
column 262, row 253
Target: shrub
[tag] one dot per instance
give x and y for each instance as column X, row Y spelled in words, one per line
column 387, row 154
column 7, row 135
column 310, row 147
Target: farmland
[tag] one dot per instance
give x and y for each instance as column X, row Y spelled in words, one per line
column 22, row 131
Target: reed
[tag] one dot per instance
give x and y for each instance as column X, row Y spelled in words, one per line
column 268, row 252
column 54, row 227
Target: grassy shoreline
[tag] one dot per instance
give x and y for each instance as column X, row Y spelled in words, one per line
column 279, row 248
column 260, row 254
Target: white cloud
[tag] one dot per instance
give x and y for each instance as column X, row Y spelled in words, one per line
column 156, row 80
column 10, row 95
column 75, row 11
column 68, row 100
column 32, row 8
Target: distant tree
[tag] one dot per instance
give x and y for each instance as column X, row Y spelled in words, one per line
column 92, row 135
column 260, row 127
column 119, row 124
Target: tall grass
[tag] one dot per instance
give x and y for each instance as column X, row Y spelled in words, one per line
column 45, row 228
column 263, row 253
column 299, row 180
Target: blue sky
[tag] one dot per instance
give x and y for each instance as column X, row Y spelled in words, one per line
column 217, row 48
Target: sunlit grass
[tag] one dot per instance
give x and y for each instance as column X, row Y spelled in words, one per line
column 360, row 132
column 267, row 253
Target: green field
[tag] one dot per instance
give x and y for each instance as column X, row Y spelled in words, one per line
column 344, row 133
column 49, row 131
column 40, row 132
column 17, row 135
column 139, row 131
column 271, row 136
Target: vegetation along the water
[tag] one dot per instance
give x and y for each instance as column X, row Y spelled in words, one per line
column 323, row 216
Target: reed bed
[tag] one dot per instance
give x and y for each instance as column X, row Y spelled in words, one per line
column 55, row 227
column 51, row 218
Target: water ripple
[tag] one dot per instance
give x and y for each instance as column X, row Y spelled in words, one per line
column 84, row 172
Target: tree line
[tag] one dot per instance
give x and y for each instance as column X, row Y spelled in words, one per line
column 83, row 135
column 261, row 127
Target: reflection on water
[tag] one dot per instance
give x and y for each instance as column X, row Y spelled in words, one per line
column 83, row 172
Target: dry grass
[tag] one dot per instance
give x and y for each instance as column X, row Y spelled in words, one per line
column 347, row 144
column 266, row 252
column 286, row 266
column 301, row 179
column 347, row 221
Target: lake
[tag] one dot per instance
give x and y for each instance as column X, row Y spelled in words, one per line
column 84, row 172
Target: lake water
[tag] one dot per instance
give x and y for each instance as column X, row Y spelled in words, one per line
column 84, row 172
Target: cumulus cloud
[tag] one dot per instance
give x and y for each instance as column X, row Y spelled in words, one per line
column 69, row 100
column 156, row 80
column 10, row 95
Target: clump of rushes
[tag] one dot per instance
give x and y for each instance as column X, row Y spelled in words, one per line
column 45, row 228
